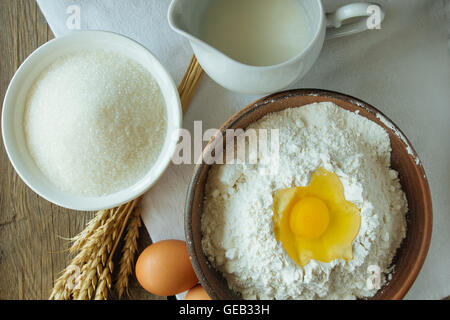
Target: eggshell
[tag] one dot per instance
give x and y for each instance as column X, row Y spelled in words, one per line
column 164, row 268
column 197, row 293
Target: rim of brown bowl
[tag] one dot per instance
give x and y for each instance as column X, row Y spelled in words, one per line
column 410, row 256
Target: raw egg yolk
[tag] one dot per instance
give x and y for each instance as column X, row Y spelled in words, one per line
column 316, row 221
column 309, row 218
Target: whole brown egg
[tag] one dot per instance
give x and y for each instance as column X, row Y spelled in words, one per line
column 164, row 268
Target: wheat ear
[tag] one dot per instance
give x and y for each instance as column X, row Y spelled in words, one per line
column 128, row 252
column 100, row 266
column 79, row 240
column 100, row 244
column 104, row 283
column 65, row 284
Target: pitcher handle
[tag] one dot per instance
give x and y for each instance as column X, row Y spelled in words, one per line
column 335, row 29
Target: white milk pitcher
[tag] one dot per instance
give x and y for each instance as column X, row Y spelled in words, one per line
column 186, row 16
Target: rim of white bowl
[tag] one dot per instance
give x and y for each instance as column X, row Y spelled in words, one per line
column 86, row 40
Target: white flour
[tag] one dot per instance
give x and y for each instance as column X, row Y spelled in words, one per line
column 237, row 223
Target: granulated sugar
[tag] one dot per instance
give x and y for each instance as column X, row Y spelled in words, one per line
column 95, row 122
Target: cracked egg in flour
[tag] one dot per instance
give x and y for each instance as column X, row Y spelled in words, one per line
column 316, row 221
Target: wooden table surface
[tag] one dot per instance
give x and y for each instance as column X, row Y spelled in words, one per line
column 33, row 249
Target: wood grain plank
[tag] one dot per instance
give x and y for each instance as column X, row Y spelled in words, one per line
column 10, row 218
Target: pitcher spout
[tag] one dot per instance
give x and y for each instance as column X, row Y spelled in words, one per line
column 185, row 17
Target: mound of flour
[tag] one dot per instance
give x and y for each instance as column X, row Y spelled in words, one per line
column 237, row 227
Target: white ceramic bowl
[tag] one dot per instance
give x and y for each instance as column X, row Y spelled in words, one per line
column 14, row 105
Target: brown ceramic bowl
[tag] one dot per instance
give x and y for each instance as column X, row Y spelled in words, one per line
column 411, row 255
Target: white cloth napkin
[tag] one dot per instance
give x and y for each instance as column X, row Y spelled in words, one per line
column 403, row 69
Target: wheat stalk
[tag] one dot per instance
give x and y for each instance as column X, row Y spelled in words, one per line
column 64, row 285
column 92, row 256
column 190, row 82
column 61, row 290
column 104, row 283
column 105, row 277
column 97, row 249
column 128, row 252
column 79, row 240
column 100, row 267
